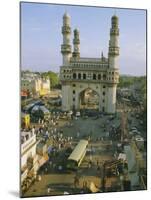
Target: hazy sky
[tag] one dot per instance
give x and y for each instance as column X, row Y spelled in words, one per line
column 41, row 36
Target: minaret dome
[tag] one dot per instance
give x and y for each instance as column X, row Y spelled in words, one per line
column 66, row 15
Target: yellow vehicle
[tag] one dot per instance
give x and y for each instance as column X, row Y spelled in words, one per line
column 76, row 157
column 25, row 120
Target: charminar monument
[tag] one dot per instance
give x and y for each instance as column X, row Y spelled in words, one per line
column 78, row 74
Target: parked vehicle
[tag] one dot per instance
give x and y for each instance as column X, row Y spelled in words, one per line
column 77, row 155
column 78, row 114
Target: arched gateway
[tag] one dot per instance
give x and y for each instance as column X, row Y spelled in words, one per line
column 77, row 74
column 89, row 99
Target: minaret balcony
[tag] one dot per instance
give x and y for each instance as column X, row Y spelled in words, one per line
column 114, row 51
column 66, row 30
column 114, row 32
column 76, row 55
column 65, row 48
column 76, row 41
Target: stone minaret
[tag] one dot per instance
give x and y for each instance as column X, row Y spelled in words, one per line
column 66, row 47
column 113, row 44
column 113, row 56
column 76, row 43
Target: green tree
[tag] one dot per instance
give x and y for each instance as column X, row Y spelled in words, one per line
column 54, row 79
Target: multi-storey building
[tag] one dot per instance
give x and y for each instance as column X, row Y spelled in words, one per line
column 35, row 85
column 29, row 158
column 33, row 156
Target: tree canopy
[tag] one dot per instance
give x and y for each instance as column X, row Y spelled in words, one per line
column 54, row 79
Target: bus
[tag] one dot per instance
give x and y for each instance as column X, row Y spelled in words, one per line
column 77, row 155
column 45, row 112
column 28, row 107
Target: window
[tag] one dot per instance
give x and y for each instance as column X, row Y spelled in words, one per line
column 84, row 76
column 104, row 86
column 79, row 76
column 27, row 137
column 103, row 109
column 73, row 99
column 103, row 101
column 73, row 91
column 99, row 76
column 74, row 76
column 94, row 76
column 74, row 85
column 104, row 77
column 103, row 93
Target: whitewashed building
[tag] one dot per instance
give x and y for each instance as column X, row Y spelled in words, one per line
column 33, row 155
column 29, row 158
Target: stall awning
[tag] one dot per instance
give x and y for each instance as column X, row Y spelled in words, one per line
column 42, row 159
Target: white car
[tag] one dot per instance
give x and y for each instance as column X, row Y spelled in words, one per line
column 78, row 114
column 133, row 128
column 70, row 112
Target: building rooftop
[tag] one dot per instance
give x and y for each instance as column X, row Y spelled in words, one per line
column 24, row 133
column 90, row 60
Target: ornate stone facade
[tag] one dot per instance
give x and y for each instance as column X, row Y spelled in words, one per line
column 99, row 74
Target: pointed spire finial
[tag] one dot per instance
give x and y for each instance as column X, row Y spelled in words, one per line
column 102, row 54
column 66, row 15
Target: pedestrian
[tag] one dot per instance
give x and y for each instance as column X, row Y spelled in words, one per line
column 85, row 185
column 46, row 170
column 50, row 163
column 39, row 178
column 89, row 164
column 97, row 163
column 48, row 190
column 76, row 181
column 60, row 168
column 98, row 168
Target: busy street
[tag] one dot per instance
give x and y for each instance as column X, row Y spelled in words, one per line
column 61, row 132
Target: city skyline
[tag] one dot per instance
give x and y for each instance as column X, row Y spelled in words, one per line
column 41, row 36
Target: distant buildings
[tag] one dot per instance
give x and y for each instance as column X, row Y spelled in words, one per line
column 34, row 84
